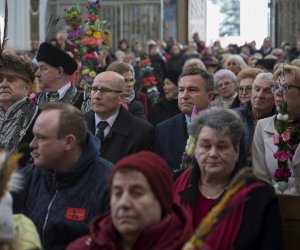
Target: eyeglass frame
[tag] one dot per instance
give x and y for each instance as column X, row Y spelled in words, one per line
column 105, row 91
column 246, row 89
column 224, row 84
column 284, row 88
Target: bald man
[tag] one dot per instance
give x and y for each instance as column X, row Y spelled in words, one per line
column 120, row 132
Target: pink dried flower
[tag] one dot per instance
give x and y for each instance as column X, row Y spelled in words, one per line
column 286, row 136
column 281, row 156
column 276, row 139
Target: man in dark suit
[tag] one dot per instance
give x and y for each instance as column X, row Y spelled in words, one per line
column 120, row 132
column 195, row 88
column 54, row 72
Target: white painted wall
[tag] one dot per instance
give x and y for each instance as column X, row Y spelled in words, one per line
column 254, row 20
column 254, row 24
column 18, row 23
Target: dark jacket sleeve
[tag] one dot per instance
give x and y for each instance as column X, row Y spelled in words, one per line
column 136, row 108
column 262, row 226
column 20, row 196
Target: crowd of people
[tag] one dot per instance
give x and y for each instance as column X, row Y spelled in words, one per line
column 102, row 168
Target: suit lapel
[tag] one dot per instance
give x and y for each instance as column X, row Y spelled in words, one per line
column 90, row 119
column 181, row 129
column 121, row 125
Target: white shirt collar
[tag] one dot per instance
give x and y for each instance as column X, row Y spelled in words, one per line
column 63, row 90
column 110, row 120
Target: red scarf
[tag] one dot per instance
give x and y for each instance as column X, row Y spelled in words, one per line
column 224, row 234
column 169, row 234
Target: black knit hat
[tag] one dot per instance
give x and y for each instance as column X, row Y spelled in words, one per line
column 173, row 75
column 56, row 57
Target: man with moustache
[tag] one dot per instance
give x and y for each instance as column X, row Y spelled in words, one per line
column 17, row 112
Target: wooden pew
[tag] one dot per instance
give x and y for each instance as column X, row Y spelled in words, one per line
column 290, row 209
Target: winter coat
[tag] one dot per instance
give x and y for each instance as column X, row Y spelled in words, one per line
column 62, row 205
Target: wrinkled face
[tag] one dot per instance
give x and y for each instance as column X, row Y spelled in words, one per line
column 233, row 66
column 215, row 154
column 133, row 204
column 48, row 151
column 262, row 98
column 107, row 102
column 129, row 82
column 170, row 89
column 292, row 96
column 245, row 89
column 47, row 76
column 225, row 87
column 192, row 91
column 12, row 89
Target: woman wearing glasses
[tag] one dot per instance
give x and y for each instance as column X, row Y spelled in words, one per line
column 225, row 82
column 287, row 87
column 245, row 80
column 260, row 106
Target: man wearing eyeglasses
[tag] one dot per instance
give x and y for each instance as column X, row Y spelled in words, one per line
column 120, row 132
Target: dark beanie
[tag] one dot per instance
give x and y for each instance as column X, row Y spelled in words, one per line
column 157, row 172
column 173, row 75
column 55, row 57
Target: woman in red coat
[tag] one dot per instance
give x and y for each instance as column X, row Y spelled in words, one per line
column 143, row 215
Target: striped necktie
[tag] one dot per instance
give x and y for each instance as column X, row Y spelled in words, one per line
column 101, row 126
column 53, row 96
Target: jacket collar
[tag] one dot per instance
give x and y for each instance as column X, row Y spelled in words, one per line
column 189, row 194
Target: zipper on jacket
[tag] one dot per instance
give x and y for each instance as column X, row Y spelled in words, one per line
column 55, row 186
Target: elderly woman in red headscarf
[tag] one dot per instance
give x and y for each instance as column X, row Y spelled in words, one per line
column 143, row 215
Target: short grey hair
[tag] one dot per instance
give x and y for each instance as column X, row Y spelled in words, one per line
column 223, row 120
column 224, row 73
column 266, row 76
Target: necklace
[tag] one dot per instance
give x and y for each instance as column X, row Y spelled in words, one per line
column 207, row 193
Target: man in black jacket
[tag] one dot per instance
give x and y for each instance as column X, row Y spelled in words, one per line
column 121, row 133
column 68, row 183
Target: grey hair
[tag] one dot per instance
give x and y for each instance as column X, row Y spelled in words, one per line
column 237, row 59
column 223, row 120
column 224, row 73
column 266, row 76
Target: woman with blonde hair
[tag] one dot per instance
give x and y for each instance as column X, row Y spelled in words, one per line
column 235, row 63
column 194, row 63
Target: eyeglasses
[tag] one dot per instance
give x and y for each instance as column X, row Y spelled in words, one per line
column 283, row 88
column 247, row 89
column 105, row 91
column 224, row 84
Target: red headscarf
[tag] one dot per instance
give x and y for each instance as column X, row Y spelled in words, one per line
column 157, row 172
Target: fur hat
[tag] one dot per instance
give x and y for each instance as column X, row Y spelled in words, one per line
column 173, row 75
column 56, row 58
column 157, row 172
column 6, row 218
column 17, row 66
